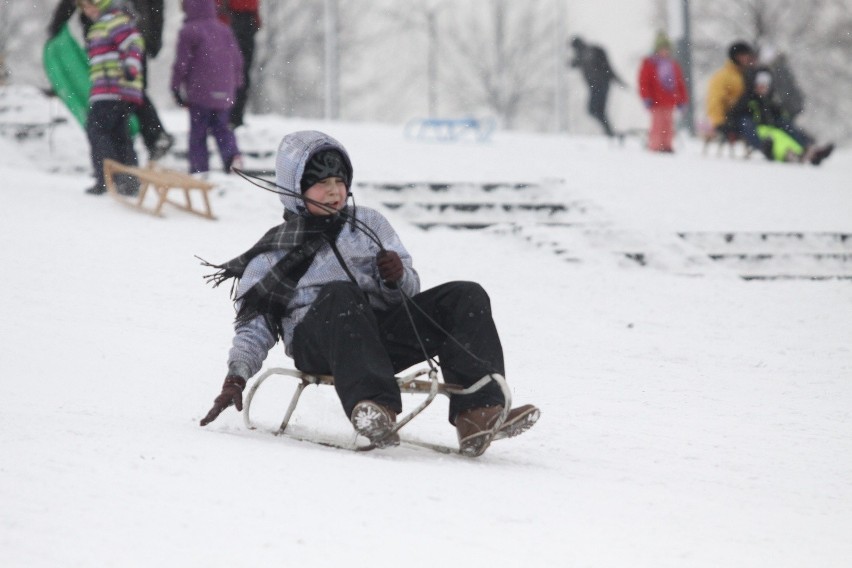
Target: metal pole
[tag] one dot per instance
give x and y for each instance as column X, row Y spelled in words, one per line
column 685, row 51
column 560, row 54
column 432, row 62
column 332, row 62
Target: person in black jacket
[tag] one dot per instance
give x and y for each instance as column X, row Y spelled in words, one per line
column 244, row 18
column 149, row 19
column 598, row 73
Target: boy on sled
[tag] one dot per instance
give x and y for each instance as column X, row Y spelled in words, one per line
column 336, row 285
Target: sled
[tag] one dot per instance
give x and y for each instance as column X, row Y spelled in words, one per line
column 411, row 383
column 66, row 65
column 450, row 129
column 723, row 140
column 159, row 183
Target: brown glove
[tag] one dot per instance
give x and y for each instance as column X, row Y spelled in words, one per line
column 390, row 266
column 232, row 393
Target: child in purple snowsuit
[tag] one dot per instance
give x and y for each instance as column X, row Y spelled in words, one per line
column 207, row 72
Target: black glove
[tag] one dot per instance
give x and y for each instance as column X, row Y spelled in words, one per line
column 390, row 266
column 178, row 98
column 232, row 393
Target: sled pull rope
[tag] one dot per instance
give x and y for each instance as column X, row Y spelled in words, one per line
column 258, row 181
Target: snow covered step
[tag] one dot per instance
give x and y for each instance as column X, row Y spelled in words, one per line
column 778, row 241
column 795, row 277
column 479, row 214
column 603, row 243
column 795, row 265
column 779, row 255
column 455, row 188
column 473, row 205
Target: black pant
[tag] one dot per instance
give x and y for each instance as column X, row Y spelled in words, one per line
column 343, row 336
column 150, row 126
column 244, row 26
column 108, row 129
column 597, row 105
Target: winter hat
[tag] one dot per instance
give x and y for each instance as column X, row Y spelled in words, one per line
column 662, row 42
column 325, row 164
column 739, row 48
column 763, row 79
column 101, row 5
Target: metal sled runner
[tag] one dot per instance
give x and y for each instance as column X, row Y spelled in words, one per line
column 410, row 383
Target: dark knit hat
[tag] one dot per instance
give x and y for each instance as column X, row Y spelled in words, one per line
column 325, row 164
column 739, row 48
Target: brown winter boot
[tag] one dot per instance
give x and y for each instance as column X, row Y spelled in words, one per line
column 475, row 426
column 821, row 153
column 375, row 422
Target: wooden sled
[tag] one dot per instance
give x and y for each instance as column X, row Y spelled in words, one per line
column 159, row 182
column 410, row 383
column 723, row 142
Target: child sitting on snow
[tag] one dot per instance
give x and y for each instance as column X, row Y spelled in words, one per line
column 331, row 283
column 782, row 141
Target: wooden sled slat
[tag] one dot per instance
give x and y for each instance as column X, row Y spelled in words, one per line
column 159, row 183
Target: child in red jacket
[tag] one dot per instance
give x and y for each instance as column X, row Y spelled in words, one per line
column 662, row 88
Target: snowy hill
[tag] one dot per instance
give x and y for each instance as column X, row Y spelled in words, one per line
column 689, row 417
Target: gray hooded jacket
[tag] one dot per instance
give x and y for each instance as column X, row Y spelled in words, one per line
column 253, row 340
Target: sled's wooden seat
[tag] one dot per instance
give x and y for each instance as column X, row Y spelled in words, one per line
column 159, row 182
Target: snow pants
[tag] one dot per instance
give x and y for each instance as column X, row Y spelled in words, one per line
column 747, row 129
column 108, row 130
column 661, row 133
column 244, row 26
column 784, row 147
column 150, row 125
column 363, row 348
column 204, row 121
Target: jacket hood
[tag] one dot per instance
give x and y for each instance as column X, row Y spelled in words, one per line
column 199, row 9
column 293, row 153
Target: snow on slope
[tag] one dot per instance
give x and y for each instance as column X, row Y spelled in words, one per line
column 697, row 421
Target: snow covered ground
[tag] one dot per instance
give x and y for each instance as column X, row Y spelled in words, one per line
column 690, row 418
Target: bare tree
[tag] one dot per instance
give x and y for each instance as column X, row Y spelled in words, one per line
column 504, row 62
column 375, row 76
column 814, row 35
column 287, row 74
column 424, row 18
column 19, row 23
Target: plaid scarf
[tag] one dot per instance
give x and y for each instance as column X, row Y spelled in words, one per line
column 301, row 237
